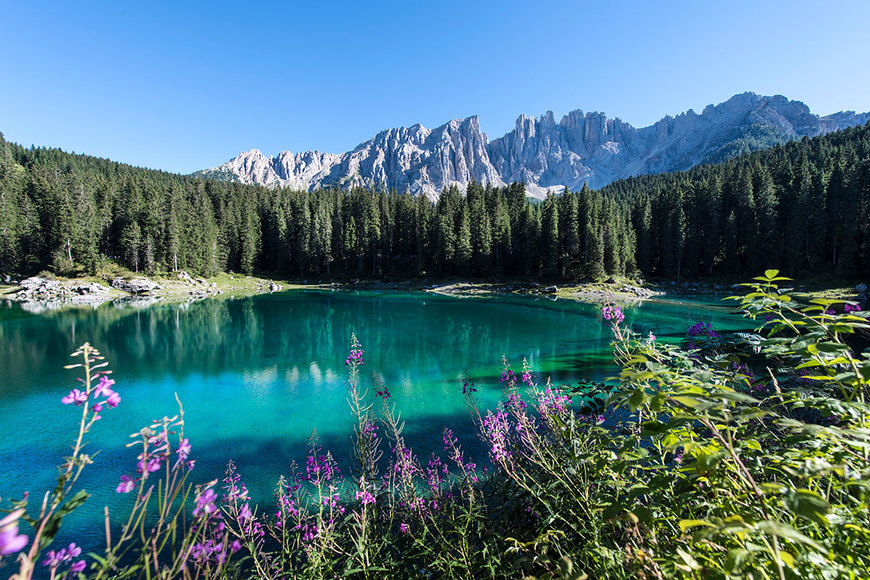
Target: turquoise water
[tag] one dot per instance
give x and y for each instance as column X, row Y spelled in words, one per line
column 258, row 375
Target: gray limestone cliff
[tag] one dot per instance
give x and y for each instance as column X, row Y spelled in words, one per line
column 545, row 154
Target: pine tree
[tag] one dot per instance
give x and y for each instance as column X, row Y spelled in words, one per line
column 501, row 233
column 764, row 251
column 550, row 237
column 463, row 240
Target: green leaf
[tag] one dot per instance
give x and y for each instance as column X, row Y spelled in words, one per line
column 688, row 559
column 737, row 559
column 53, row 524
column 807, row 504
column 689, row 524
column 751, row 444
column 789, row 533
column 653, row 428
column 832, row 347
column 709, row 461
column 637, row 398
column 690, row 402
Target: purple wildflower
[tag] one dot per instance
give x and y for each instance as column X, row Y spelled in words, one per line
column 148, row 464
column 448, row 439
column 331, row 501
column 235, row 488
column 703, row 329
column 365, row 497
column 382, row 391
column 113, row 400
column 508, row 377
column 309, row 532
column 10, row 541
column 355, row 357
column 127, row 484
column 54, row 559
column 75, row 396
column 613, row 313
column 406, row 462
column 434, row 472
column 319, row 469
column 553, row 401
column 496, row 428
column 103, row 388
column 403, row 527
column 183, row 453
column 205, row 503
column 515, row 403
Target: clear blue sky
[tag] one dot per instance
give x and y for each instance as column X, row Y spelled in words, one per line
column 182, row 86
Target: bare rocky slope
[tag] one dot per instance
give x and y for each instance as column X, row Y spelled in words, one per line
column 545, row 154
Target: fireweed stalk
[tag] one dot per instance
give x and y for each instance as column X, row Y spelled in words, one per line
column 96, row 396
column 364, row 551
column 527, row 444
column 157, row 539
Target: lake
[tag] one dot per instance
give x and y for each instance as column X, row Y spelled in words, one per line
column 258, row 375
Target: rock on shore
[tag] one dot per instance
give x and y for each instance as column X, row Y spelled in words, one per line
column 135, row 286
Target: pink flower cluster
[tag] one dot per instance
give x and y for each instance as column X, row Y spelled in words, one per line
column 613, row 313
column 551, row 401
column 320, row 469
column 704, row 329
column 54, row 559
column 508, row 377
column 103, row 390
column 496, row 428
column 152, row 458
column 355, row 357
column 205, row 505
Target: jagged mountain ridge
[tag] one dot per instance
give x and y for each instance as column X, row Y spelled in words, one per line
column 580, row 148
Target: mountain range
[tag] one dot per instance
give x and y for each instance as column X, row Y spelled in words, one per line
column 547, row 155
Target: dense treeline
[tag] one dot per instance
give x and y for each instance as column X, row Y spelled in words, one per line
column 799, row 206
column 62, row 211
column 803, row 206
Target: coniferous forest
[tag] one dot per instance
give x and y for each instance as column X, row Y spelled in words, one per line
column 800, row 206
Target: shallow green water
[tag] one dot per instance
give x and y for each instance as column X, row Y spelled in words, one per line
column 258, row 375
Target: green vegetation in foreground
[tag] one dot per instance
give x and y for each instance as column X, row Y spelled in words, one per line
column 803, row 206
column 743, row 456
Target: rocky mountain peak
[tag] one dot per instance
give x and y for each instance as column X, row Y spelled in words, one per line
column 547, row 155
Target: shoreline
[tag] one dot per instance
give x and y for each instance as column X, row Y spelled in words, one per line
column 45, row 293
column 42, row 293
